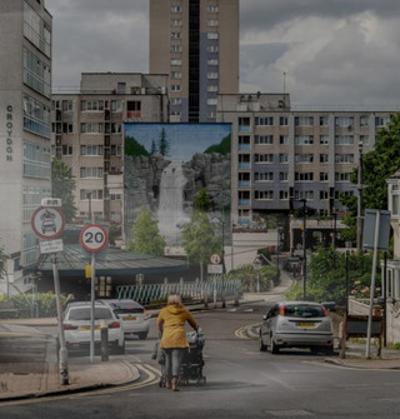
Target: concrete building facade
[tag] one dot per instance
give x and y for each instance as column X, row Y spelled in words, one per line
column 281, row 156
column 196, row 42
column 25, row 169
column 87, row 131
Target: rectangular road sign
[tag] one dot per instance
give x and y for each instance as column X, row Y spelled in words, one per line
column 369, row 229
column 215, row 269
column 51, row 246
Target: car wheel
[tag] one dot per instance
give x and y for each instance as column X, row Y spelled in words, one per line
column 262, row 346
column 274, row 347
column 143, row 335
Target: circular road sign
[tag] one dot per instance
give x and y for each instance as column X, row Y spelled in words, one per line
column 48, row 223
column 93, row 238
column 215, row 259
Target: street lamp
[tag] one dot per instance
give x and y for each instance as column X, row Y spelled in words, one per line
column 304, row 201
column 360, row 197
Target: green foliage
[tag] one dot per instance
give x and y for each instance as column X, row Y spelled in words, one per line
column 146, row 235
column 114, row 233
column 248, row 276
column 327, row 276
column 224, row 147
column 63, row 187
column 134, row 149
column 163, row 145
column 199, row 238
column 202, row 201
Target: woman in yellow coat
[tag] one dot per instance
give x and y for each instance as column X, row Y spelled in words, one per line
column 171, row 324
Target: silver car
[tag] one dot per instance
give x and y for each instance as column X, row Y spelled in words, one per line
column 297, row 324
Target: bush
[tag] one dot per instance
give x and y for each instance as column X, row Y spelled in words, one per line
column 248, row 277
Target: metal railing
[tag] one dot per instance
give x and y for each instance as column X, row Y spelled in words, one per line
column 196, row 291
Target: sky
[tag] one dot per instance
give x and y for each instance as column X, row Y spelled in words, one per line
column 201, row 137
column 335, row 52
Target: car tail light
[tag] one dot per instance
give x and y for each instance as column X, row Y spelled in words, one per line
column 69, row 327
column 282, row 310
column 114, row 325
column 147, row 315
column 326, row 312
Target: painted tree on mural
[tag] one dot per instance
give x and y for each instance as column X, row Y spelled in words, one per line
column 163, row 145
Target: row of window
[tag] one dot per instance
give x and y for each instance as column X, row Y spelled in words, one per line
column 36, row 162
column 36, row 30
column 302, row 158
column 99, row 127
column 98, row 194
column 91, row 172
column 299, row 177
column 37, row 74
column 178, row 8
column 301, row 140
column 310, row 195
column 36, row 116
column 67, row 105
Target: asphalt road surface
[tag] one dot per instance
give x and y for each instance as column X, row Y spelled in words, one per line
column 241, row 383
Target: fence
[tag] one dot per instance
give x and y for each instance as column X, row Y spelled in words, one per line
column 196, row 291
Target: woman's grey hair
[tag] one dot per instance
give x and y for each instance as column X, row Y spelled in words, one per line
column 174, row 299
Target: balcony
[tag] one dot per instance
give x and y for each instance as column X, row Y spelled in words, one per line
column 244, row 184
column 134, row 115
column 244, row 165
column 244, row 221
column 244, row 202
column 244, row 129
column 244, row 147
column 36, row 126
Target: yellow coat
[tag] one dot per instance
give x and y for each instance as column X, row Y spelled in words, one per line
column 171, row 321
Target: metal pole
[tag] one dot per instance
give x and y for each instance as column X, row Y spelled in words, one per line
column 372, row 290
column 384, row 298
column 278, row 244
column 360, row 198
column 63, row 354
column 334, row 228
column 92, row 307
column 347, row 283
column 304, row 250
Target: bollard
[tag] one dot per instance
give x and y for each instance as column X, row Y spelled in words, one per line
column 104, row 343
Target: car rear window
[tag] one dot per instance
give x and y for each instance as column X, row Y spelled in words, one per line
column 304, row 311
column 84, row 314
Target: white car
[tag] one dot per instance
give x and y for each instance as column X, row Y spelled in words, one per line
column 133, row 316
column 77, row 326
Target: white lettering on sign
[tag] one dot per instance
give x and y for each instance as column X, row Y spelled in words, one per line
column 10, row 132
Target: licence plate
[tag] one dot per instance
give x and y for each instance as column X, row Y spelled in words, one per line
column 306, row 325
column 129, row 317
column 87, row 328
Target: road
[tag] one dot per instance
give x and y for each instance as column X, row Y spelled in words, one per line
column 242, row 383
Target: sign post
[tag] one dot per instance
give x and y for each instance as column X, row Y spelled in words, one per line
column 48, row 224
column 215, row 269
column 94, row 239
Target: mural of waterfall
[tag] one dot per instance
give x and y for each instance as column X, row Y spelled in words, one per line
column 171, row 215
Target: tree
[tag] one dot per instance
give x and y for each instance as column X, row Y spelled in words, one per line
column 63, row 187
column 146, row 235
column 163, row 145
column 200, row 240
column 134, row 148
column 153, row 148
column 224, row 147
column 202, row 201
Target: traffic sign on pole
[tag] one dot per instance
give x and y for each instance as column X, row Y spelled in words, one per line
column 215, row 259
column 48, row 223
column 93, row 238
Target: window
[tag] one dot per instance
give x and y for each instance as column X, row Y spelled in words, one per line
column 304, row 121
column 343, row 176
column 304, row 177
column 323, row 195
column 213, row 48
column 36, row 116
column 264, row 139
column 176, row 62
column 212, row 76
column 116, row 150
column 121, row 88
column 344, row 158
column 323, row 121
column 382, row 121
column 92, row 150
column 212, row 61
column 175, row 35
column 283, row 140
column 91, row 172
column 176, row 22
column 36, row 160
column 176, row 88
column 134, row 106
column 263, row 121
column 264, row 177
column 36, row 31
column 67, row 128
column 32, row 197
column 324, row 139
column 323, row 176
column 176, row 75
column 283, row 121
column 92, row 105
column 212, row 35
column 304, row 195
column 264, row 195
column 176, row 101
column 67, row 150
column 344, row 122
column 263, row 158
column 117, row 106
column 176, row 48
column 244, row 124
column 212, row 8
column 67, row 105
column 212, row 101
column 304, row 158
column 324, row 158
column 283, row 176
column 176, row 8
column 212, row 22
column 91, row 127
column 344, row 140
column 212, row 88
column 115, row 196
column 304, row 140
column 37, row 74
column 94, row 194
column 364, row 139
column 115, row 128
column 364, row 121
column 283, row 195
column 283, row 158
column 340, row 194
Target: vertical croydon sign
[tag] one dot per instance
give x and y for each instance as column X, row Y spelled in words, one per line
column 9, row 132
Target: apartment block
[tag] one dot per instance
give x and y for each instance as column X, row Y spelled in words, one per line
column 196, row 42
column 281, row 156
column 25, row 169
column 87, row 129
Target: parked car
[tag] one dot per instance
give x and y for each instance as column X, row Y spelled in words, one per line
column 133, row 317
column 77, row 326
column 297, row 324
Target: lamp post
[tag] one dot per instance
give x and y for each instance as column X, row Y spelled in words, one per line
column 360, row 197
column 304, row 201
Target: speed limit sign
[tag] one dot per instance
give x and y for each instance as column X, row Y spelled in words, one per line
column 93, row 238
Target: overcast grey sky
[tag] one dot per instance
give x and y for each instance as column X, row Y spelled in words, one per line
column 335, row 52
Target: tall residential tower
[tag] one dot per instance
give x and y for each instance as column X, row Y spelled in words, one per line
column 196, row 42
